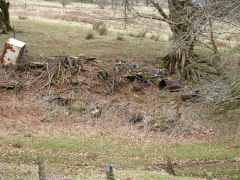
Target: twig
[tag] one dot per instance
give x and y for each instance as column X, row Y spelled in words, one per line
column 49, row 79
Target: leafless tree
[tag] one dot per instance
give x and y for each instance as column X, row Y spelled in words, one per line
column 4, row 17
column 102, row 4
column 188, row 21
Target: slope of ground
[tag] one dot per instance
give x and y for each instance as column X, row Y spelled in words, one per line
column 76, row 144
column 84, row 147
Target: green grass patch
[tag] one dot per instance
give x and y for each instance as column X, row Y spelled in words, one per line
column 124, row 152
column 128, row 147
column 148, row 175
column 227, row 171
column 52, row 38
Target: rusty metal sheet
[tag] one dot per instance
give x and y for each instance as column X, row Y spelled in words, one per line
column 12, row 52
column 169, row 84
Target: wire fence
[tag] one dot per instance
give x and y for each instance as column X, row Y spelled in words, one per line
column 51, row 178
column 45, row 175
column 58, row 178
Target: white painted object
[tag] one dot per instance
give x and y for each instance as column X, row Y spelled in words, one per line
column 95, row 112
column 12, row 52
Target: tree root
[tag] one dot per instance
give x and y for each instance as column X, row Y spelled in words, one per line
column 180, row 65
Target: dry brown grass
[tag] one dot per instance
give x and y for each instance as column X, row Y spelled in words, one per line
column 79, row 145
column 76, row 143
column 70, row 137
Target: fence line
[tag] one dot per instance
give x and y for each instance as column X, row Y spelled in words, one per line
column 60, row 178
column 43, row 174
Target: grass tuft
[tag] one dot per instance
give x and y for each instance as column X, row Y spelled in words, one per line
column 90, row 35
column 103, row 30
column 155, row 37
column 141, row 35
column 97, row 25
column 120, row 38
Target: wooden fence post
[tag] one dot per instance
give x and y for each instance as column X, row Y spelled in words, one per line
column 237, row 136
column 209, row 176
column 109, row 173
column 41, row 168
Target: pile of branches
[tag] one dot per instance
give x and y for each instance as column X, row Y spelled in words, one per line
column 224, row 94
column 68, row 72
column 6, row 82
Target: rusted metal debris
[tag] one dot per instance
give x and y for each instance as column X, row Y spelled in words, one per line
column 188, row 97
column 169, row 84
column 12, row 52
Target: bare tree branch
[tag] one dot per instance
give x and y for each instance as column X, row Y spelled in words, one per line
column 160, row 10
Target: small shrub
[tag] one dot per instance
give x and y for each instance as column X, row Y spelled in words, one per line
column 155, row 37
column 120, row 38
column 97, row 25
column 22, row 17
column 103, row 30
column 228, row 38
column 17, row 144
column 132, row 35
column 100, row 27
column 86, row 20
column 138, row 99
column 141, row 35
column 136, row 117
column 89, row 35
column 169, row 166
column 170, row 38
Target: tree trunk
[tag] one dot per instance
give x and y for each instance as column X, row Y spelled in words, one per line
column 4, row 17
column 146, row 2
column 3, row 29
column 181, row 54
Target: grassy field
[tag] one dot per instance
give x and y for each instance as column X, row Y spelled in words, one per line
column 86, row 147
column 84, row 151
column 43, row 39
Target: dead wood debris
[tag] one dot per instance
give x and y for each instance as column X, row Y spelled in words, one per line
column 6, row 82
column 68, row 72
